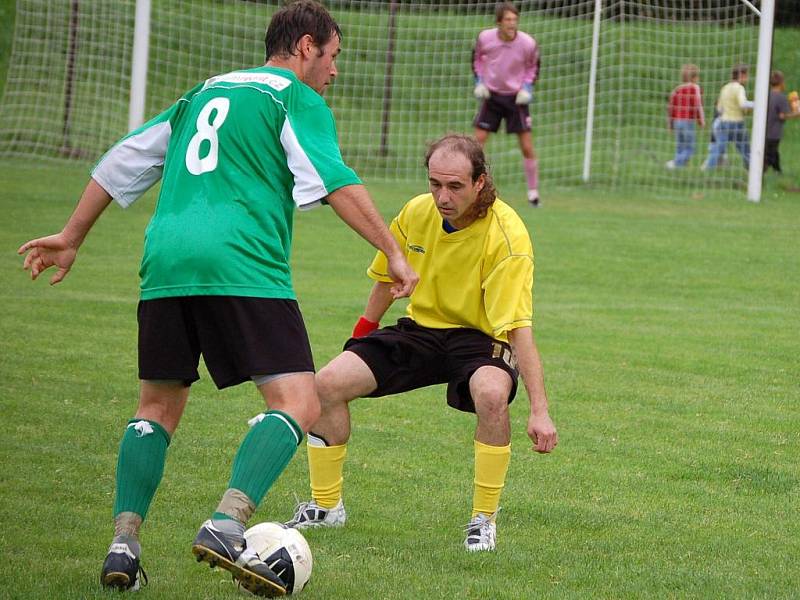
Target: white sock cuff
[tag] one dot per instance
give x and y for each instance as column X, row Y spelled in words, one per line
column 316, row 441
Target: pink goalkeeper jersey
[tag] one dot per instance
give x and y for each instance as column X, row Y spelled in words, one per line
column 504, row 66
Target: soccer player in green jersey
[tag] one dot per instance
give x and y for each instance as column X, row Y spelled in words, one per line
column 469, row 325
column 236, row 155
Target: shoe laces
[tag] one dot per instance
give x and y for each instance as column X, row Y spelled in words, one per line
column 479, row 521
column 301, row 506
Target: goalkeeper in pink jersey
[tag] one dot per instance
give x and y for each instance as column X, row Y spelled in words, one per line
column 506, row 65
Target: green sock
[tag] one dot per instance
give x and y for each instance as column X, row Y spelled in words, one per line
column 140, row 466
column 265, row 451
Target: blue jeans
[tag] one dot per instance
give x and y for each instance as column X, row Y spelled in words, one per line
column 685, row 139
column 729, row 131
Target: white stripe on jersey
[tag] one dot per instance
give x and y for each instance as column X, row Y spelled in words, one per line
column 131, row 167
column 276, row 82
column 309, row 188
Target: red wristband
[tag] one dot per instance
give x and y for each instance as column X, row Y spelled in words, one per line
column 364, row 326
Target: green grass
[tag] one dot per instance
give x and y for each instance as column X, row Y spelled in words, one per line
column 669, row 335
column 669, row 332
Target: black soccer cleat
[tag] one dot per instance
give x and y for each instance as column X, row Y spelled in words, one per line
column 219, row 550
column 121, row 569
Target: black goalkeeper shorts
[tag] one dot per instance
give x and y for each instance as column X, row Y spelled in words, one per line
column 498, row 107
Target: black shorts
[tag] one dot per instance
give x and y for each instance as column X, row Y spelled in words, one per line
column 238, row 337
column 498, row 107
column 407, row 356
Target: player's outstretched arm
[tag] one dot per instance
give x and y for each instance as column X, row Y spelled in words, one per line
column 59, row 250
column 540, row 427
column 354, row 206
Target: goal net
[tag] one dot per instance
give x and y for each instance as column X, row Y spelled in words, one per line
column 405, row 78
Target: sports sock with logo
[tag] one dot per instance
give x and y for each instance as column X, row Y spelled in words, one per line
column 263, row 455
column 491, row 466
column 140, row 466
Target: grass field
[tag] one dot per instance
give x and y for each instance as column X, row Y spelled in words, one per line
column 669, row 333
column 668, row 326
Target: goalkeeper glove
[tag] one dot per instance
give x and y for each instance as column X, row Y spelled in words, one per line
column 525, row 95
column 481, row 91
column 364, row 326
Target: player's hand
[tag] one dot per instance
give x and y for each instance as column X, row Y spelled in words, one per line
column 481, row 91
column 542, row 432
column 51, row 251
column 404, row 277
column 364, row 327
column 525, row 95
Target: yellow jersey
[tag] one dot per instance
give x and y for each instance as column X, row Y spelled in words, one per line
column 479, row 277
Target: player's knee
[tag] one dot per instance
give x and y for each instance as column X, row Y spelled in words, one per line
column 330, row 387
column 491, row 401
column 303, row 406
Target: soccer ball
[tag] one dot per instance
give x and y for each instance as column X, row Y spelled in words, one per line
column 286, row 552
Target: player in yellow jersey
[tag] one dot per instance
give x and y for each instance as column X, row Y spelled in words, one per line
column 469, row 325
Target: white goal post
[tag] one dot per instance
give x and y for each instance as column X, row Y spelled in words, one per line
column 83, row 72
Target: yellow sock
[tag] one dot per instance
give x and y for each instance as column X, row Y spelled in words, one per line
column 491, row 465
column 325, row 467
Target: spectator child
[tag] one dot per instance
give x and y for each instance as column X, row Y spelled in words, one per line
column 778, row 111
column 732, row 104
column 685, row 109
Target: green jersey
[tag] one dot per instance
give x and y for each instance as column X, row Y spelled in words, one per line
column 237, row 154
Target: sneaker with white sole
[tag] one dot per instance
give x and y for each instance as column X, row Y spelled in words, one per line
column 223, row 550
column 533, row 198
column 481, row 533
column 310, row 514
column 121, row 569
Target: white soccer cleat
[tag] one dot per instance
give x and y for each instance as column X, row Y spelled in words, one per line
column 670, row 165
column 310, row 514
column 533, row 197
column 481, row 533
